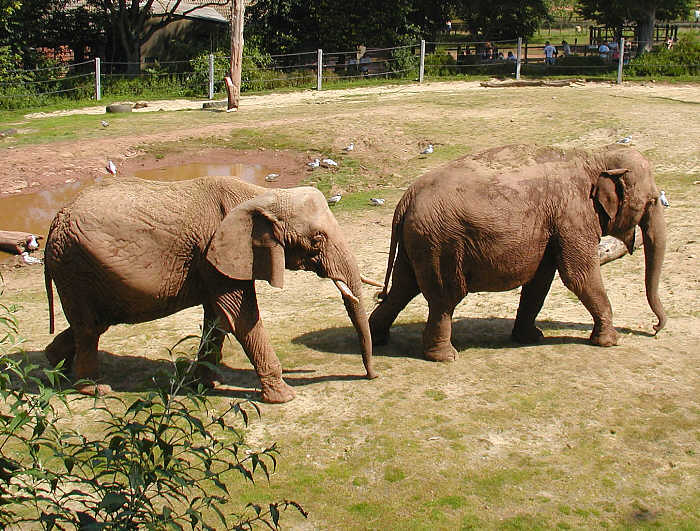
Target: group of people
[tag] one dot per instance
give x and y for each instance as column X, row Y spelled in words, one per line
column 551, row 53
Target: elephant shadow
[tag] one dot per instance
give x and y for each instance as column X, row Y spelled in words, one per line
column 468, row 332
column 132, row 373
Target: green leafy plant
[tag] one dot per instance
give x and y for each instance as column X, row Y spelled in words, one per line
column 162, row 460
column 682, row 59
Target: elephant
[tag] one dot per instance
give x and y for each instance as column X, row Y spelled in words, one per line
column 513, row 216
column 131, row 251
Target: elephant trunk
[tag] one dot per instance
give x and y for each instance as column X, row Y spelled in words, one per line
column 349, row 282
column 654, row 233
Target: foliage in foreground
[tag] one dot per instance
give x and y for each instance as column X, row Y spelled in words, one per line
column 164, row 459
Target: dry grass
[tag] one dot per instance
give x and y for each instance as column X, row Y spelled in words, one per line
column 562, row 434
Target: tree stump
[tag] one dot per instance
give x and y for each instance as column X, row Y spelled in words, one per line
column 610, row 248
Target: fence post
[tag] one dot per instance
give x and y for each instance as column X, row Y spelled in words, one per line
column 211, row 76
column 98, row 87
column 319, row 70
column 421, row 68
column 621, row 51
column 517, row 62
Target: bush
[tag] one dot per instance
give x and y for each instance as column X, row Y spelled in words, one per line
column 163, row 460
column 682, row 59
column 440, row 64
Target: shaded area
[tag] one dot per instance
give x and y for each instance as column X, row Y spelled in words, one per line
column 469, row 332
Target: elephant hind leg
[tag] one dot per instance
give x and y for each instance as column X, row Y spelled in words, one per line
column 403, row 289
column 85, row 364
column 62, row 348
column 532, row 298
column 437, row 334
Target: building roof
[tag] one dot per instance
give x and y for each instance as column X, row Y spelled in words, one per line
column 187, row 9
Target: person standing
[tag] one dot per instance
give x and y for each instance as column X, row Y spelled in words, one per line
column 549, row 53
column 565, row 48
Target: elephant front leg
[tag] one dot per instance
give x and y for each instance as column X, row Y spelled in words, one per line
column 590, row 291
column 210, row 346
column 241, row 311
column 532, row 298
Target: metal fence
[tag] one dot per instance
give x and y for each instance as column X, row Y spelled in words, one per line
column 202, row 77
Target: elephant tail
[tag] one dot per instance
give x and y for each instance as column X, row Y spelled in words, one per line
column 396, row 226
column 49, row 295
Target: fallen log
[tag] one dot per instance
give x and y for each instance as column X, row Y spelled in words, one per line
column 18, row 242
column 494, row 83
column 610, row 248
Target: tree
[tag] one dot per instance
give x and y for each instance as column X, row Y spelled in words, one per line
column 489, row 20
column 643, row 13
column 133, row 22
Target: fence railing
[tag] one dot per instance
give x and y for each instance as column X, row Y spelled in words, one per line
column 203, row 77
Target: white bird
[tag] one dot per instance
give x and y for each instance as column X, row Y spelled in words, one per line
column 32, row 244
column 314, row 163
column 334, row 199
column 625, row 140
column 111, row 168
column 349, row 147
column 329, row 162
column 104, row 123
column 428, row 150
column 27, row 259
column 376, row 201
column 270, row 177
column 663, row 200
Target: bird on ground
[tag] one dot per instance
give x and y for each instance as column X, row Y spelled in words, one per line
column 329, row 162
column 32, row 244
column 349, row 147
column 428, row 150
column 27, row 259
column 663, row 200
column 625, row 140
column 334, row 199
column 314, row 163
column 271, row 177
column 104, row 123
column 111, row 168
column 376, row 201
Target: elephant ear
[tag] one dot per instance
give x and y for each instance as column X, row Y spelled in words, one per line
column 607, row 191
column 246, row 245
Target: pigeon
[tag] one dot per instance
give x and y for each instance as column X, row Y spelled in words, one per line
column 111, row 168
column 314, row 163
column 271, row 177
column 428, row 150
column 663, row 200
column 27, row 259
column 334, row 199
column 376, row 201
column 329, row 162
column 104, row 123
column 625, row 140
column 32, row 244
column 349, row 147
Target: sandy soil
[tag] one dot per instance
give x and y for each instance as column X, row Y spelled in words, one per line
column 612, row 425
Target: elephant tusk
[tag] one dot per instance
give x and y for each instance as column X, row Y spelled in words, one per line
column 371, row 282
column 345, row 290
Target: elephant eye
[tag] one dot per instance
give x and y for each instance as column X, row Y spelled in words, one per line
column 317, row 240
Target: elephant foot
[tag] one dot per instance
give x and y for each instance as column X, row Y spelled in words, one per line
column 527, row 336
column 607, row 338
column 276, row 391
column 206, row 377
column 94, row 389
column 379, row 337
column 441, row 353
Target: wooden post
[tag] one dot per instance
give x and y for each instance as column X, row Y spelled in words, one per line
column 621, row 50
column 233, row 83
column 98, row 86
column 518, row 59
column 421, row 66
column 319, row 69
column 210, row 93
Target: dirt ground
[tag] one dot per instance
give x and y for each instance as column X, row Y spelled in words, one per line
column 560, row 434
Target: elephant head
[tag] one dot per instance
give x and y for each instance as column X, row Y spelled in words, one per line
column 291, row 229
column 626, row 195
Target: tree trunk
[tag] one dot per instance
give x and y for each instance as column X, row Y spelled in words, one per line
column 645, row 30
column 233, row 86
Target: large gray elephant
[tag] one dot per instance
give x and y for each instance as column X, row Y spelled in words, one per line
column 511, row 217
column 132, row 251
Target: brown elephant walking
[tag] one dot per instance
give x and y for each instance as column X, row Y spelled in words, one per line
column 513, row 216
column 132, row 251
